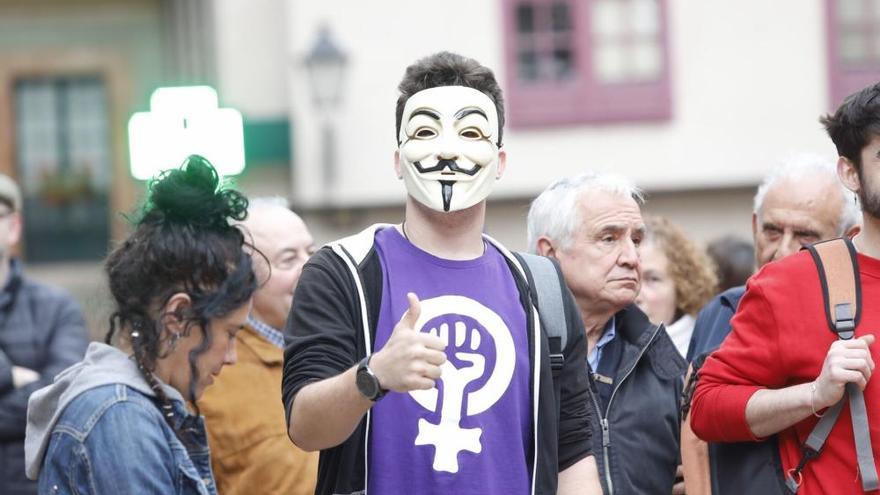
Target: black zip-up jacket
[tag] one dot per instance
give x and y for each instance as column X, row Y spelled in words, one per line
column 637, row 436
column 324, row 339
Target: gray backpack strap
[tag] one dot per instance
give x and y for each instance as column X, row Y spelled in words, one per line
column 547, row 298
column 862, row 436
column 838, row 269
column 813, row 446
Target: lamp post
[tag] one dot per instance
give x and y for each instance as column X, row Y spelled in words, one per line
column 326, row 65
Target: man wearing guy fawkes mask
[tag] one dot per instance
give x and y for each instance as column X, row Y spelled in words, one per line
column 449, row 147
column 422, row 333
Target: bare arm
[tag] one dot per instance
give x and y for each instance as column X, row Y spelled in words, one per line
column 581, row 478
column 771, row 411
column 848, row 361
column 325, row 413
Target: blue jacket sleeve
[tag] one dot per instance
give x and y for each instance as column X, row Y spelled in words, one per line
column 109, row 461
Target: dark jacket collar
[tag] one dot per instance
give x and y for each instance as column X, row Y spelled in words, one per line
column 641, row 335
column 10, row 289
column 633, row 326
column 731, row 297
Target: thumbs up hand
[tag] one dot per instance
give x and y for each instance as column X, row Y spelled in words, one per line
column 410, row 360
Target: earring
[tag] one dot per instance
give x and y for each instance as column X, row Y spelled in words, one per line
column 173, row 344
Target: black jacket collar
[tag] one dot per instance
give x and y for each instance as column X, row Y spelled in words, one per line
column 643, row 338
column 13, row 283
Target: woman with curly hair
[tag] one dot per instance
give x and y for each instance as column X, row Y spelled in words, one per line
column 118, row 421
column 677, row 280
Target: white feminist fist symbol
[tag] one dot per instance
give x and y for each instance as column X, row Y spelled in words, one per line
column 448, row 437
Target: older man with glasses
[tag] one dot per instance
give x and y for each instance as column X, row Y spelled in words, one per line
column 42, row 332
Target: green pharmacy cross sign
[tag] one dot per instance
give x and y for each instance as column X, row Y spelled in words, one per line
column 183, row 121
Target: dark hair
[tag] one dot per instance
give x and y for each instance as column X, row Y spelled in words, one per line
column 854, row 122
column 449, row 69
column 734, row 261
column 183, row 242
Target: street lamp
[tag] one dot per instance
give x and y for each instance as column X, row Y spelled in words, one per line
column 326, row 65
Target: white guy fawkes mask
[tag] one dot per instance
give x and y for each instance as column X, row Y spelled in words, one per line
column 448, row 147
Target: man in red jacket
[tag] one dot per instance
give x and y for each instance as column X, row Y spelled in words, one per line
column 781, row 366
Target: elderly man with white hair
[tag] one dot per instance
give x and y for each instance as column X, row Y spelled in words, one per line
column 800, row 202
column 592, row 225
column 247, row 432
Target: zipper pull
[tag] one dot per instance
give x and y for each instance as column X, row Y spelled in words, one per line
column 606, row 435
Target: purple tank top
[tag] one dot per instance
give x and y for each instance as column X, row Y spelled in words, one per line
column 471, row 433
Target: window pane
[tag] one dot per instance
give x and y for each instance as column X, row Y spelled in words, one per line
column 645, row 17
column 36, row 134
column 646, row 57
column 561, row 17
column 64, row 166
column 853, row 47
column 88, row 149
column 850, row 11
column 527, row 63
column 877, row 46
column 525, row 18
column 609, row 62
column 562, row 63
column 607, row 18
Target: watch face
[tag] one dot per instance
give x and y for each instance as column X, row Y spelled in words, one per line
column 367, row 384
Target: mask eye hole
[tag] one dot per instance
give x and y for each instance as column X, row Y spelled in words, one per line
column 471, row 133
column 425, row 133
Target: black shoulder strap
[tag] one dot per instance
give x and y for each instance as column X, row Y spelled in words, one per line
column 546, row 291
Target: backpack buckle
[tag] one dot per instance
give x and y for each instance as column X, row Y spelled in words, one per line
column 557, row 361
column 844, row 321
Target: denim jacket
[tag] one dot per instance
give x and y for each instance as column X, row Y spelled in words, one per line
column 98, row 429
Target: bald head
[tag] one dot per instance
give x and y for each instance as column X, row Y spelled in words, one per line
column 283, row 238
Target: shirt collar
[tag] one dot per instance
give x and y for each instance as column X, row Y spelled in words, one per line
column 608, row 335
column 266, row 331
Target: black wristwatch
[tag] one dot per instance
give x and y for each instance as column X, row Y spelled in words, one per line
column 367, row 383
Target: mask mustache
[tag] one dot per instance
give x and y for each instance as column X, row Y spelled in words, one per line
column 443, row 164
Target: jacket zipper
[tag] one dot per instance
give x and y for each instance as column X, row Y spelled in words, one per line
column 606, row 428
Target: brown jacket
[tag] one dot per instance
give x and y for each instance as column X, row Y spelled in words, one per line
column 247, row 432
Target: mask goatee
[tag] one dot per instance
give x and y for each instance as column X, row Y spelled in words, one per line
column 447, row 193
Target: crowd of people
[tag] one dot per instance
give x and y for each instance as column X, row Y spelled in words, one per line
column 616, row 356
